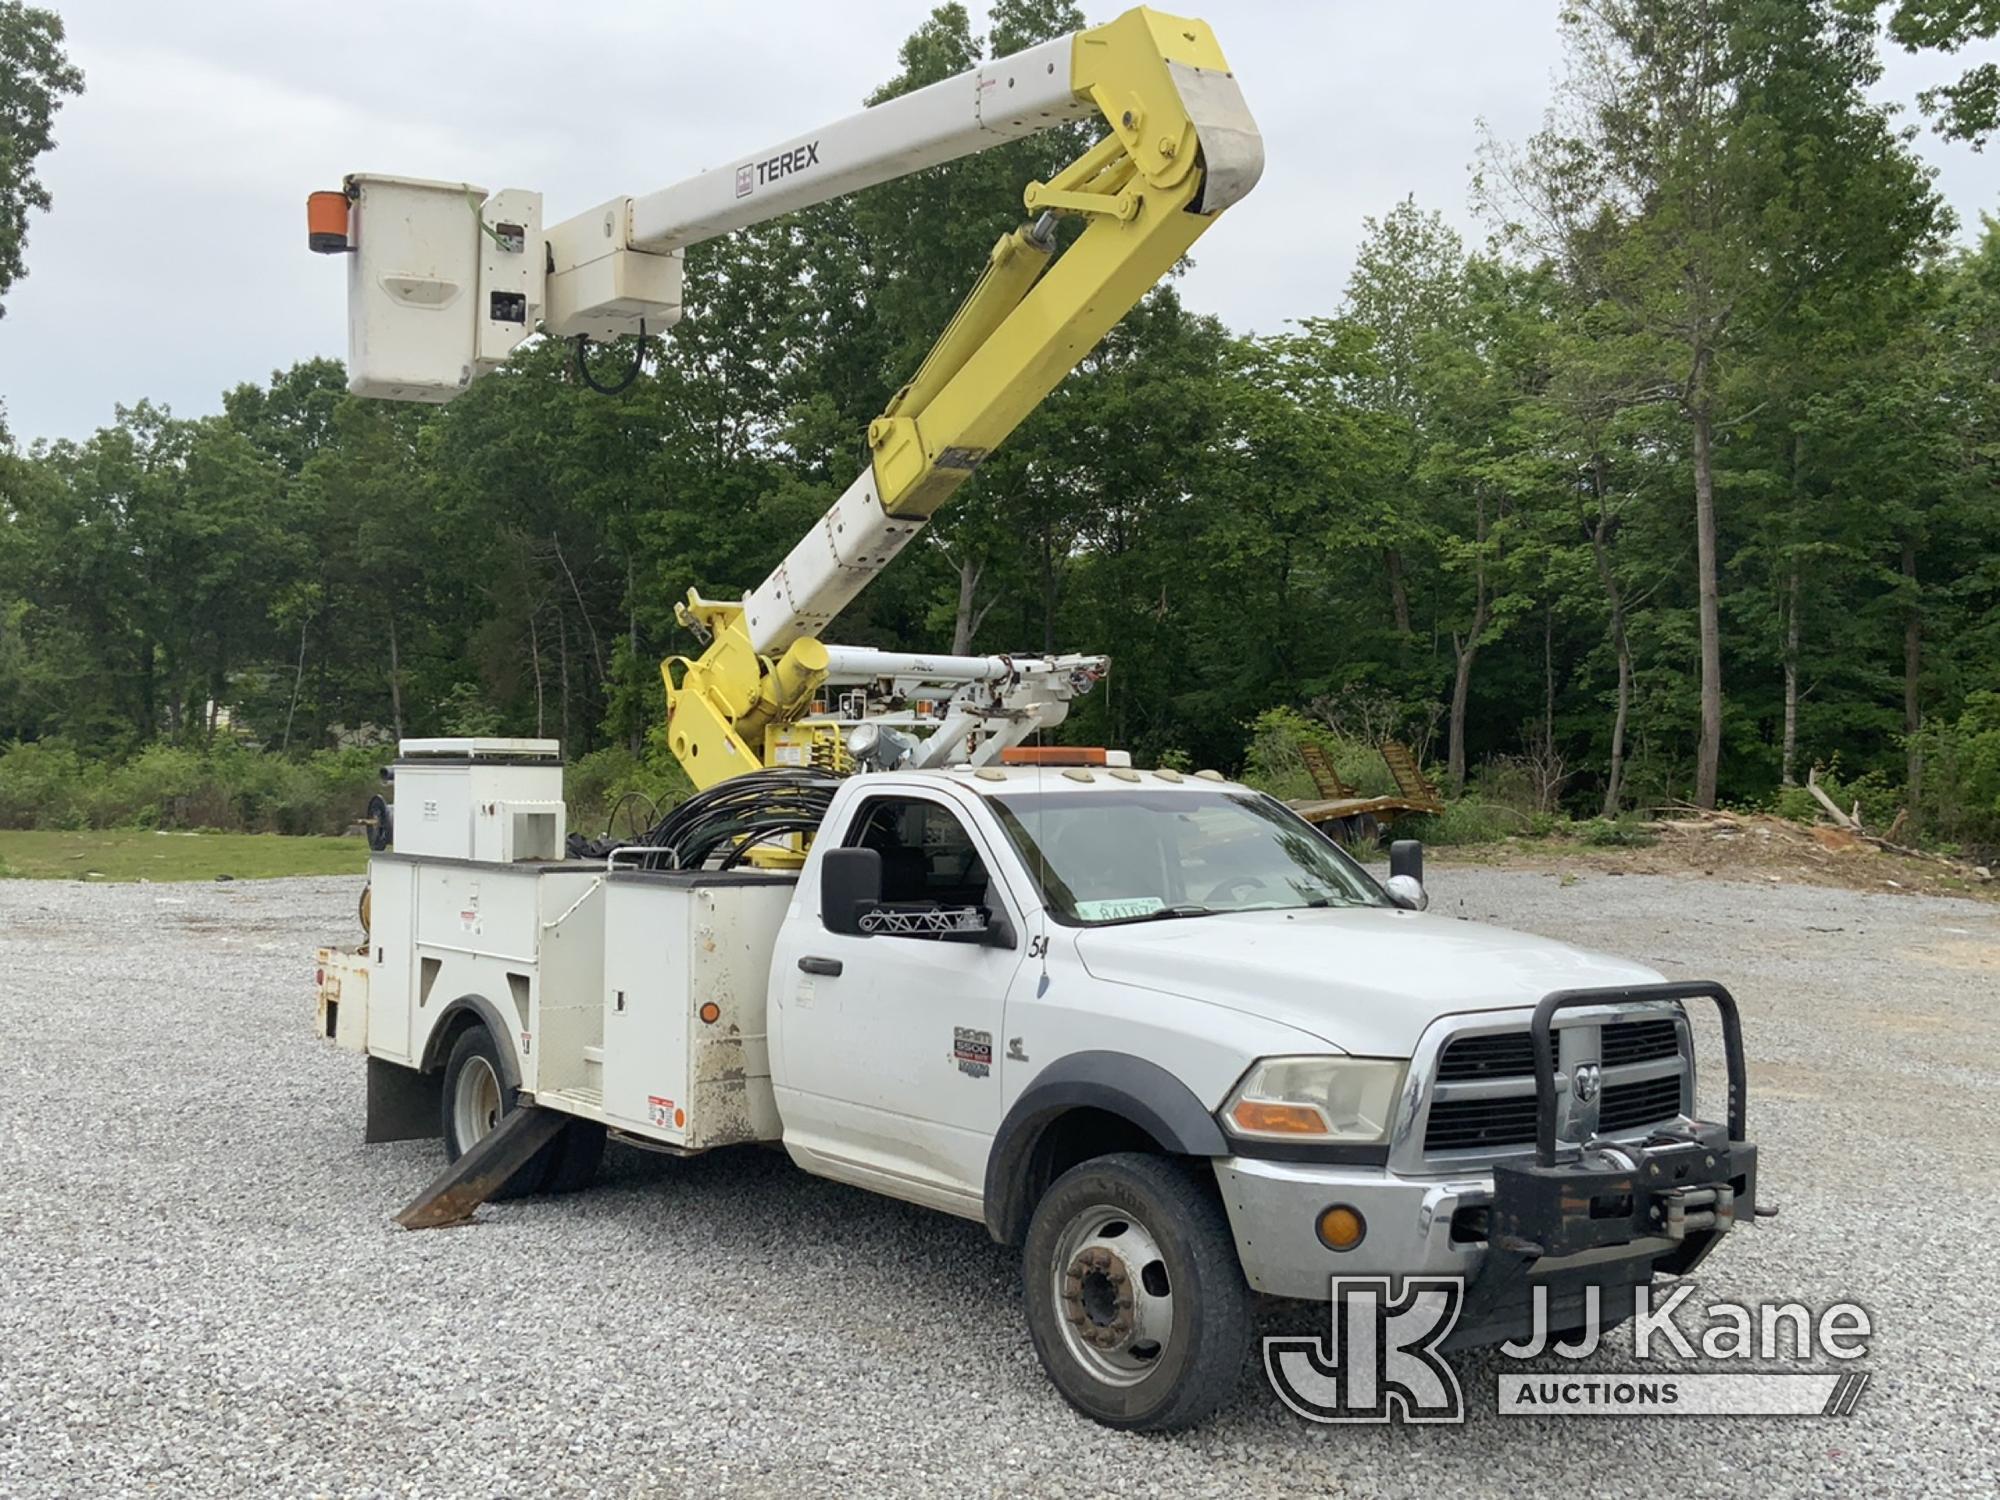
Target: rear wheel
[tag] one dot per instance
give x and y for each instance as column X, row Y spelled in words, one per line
column 579, row 1151
column 477, row 1099
column 1136, row 1301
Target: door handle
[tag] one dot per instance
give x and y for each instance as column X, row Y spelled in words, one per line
column 827, row 966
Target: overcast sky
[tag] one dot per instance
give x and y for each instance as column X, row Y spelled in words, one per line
column 175, row 262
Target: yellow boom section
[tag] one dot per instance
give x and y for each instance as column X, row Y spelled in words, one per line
column 1181, row 149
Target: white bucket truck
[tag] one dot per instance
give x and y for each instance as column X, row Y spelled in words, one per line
column 1152, row 1028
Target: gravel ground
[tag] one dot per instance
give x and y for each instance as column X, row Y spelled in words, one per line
column 201, row 1292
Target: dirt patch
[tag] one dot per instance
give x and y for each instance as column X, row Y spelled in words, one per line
column 1747, row 847
column 1979, row 958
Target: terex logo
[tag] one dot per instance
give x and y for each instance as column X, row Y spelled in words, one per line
column 784, row 164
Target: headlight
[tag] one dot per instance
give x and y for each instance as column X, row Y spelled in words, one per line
column 1346, row 1099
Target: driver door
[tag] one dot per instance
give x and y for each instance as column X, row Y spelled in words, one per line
column 892, row 1044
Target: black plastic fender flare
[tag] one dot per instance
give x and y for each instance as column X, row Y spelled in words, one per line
column 1136, row 1090
column 504, row 1039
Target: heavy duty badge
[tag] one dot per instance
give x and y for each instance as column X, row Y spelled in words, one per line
column 972, row 1051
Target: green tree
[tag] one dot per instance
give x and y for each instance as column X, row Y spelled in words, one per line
column 35, row 77
column 1968, row 108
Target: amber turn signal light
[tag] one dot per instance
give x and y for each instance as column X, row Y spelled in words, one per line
column 1340, row 1227
column 710, row 1012
column 326, row 222
column 1260, row 1116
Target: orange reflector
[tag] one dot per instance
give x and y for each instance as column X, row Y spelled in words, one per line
column 1261, row 1116
column 319, row 976
column 680, row 1118
column 326, row 222
column 710, row 1012
column 1341, row 1228
column 1053, row 755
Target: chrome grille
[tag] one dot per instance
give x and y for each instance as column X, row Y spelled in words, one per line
column 1638, row 1041
column 1627, row 1106
column 1500, row 1054
column 1482, row 1098
column 1467, row 1124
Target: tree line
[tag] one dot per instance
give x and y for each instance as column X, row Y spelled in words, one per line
column 1679, row 484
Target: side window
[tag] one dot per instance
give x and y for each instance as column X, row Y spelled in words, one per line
column 928, row 859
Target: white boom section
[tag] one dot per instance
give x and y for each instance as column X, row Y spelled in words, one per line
column 1005, row 699
column 850, row 544
column 1004, row 100
column 849, row 664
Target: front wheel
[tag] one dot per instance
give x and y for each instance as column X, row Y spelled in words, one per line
column 1136, row 1301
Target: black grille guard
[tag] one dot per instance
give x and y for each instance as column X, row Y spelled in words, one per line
column 1541, row 1035
column 1673, row 1196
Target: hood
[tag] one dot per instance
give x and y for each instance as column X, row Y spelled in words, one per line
column 1367, row 979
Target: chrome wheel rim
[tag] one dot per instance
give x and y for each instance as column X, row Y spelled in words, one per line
column 1113, row 1298
column 475, row 1104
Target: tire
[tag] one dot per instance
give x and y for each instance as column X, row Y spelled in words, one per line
column 475, row 1100
column 1164, row 1346
column 579, row 1151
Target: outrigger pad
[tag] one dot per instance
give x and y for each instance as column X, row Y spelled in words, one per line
column 456, row 1193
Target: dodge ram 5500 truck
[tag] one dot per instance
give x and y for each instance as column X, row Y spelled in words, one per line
column 1151, row 1028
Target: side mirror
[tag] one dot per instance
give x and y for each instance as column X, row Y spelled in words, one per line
column 850, row 883
column 1406, row 857
column 1405, row 885
column 1406, row 893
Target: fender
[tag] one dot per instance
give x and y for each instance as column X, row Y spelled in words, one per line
column 495, row 1022
column 1137, row 1090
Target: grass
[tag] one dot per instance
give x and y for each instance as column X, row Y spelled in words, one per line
column 139, row 854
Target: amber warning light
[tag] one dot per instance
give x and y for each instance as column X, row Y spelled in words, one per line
column 326, row 222
column 1053, row 755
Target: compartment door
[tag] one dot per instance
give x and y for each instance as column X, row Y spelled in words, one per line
column 392, row 957
column 646, row 963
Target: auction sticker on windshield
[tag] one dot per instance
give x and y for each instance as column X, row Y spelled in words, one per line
column 1119, row 907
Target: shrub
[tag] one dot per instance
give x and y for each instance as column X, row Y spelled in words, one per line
column 1795, row 803
column 1508, row 781
column 1464, row 823
column 1626, row 831
column 1878, row 799
column 1275, row 766
column 596, row 785
column 38, row 786
column 1962, row 772
column 227, row 787
column 163, row 786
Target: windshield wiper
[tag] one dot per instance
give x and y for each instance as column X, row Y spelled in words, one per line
column 1165, row 913
column 1309, row 903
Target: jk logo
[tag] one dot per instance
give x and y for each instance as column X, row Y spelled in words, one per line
column 1379, row 1361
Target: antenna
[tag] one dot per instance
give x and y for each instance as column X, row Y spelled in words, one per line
column 1042, row 863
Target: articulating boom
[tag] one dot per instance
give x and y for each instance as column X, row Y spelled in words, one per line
column 1182, row 148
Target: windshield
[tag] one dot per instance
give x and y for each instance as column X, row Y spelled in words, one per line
column 1141, row 855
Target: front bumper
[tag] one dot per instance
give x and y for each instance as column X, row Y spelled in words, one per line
column 1273, row 1207
column 1609, row 1215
